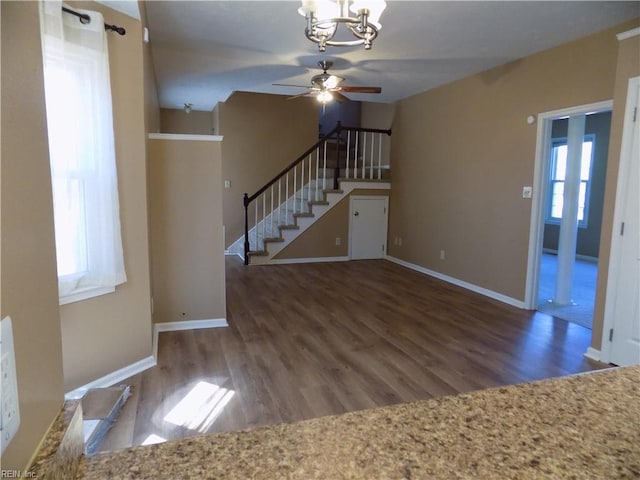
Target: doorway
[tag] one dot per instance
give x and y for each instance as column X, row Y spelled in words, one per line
column 565, row 226
column 368, row 227
column 578, row 305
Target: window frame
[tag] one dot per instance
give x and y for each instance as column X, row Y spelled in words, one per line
column 556, row 142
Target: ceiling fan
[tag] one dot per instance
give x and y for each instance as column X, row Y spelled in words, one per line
column 326, row 87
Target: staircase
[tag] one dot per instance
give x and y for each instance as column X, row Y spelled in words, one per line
column 345, row 159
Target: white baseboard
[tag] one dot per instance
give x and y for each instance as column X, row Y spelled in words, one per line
column 283, row 261
column 186, row 325
column 460, row 283
column 189, row 325
column 593, row 354
column 579, row 256
column 114, row 377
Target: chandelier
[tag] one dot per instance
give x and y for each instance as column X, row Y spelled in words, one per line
column 325, row 16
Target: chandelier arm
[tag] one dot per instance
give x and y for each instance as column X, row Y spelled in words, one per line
column 368, row 35
column 371, row 32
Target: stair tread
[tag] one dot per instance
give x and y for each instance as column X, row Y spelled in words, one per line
column 288, row 227
column 273, row 239
column 369, row 180
column 330, row 190
column 318, row 202
column 304, row 214
column 258, row 253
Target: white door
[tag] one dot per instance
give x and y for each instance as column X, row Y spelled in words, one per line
column 623, row 291
column 368, row 227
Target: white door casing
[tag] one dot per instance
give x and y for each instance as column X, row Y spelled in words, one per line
column 621, row 332
column 540, row 184
column 368, row 226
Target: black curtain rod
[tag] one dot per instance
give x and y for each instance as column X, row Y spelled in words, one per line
column 84, row 18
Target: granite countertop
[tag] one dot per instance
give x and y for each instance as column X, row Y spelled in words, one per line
column 584, row 426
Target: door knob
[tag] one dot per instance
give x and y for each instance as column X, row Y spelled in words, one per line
column 356, row 214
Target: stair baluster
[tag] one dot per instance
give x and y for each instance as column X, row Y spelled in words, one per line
column 273, row 214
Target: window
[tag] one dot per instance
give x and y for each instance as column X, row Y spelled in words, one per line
column 557, row 176
column 82, row 154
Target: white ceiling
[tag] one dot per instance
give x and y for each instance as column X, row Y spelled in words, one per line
column 205, row 50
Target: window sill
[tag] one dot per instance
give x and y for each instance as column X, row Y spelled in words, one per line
column 85, row 294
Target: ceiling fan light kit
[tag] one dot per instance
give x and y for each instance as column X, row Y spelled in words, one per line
column 325, row 16
column 327, row 87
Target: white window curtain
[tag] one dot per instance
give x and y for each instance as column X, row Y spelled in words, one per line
column 82, row 153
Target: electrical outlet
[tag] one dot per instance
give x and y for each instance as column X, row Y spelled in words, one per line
column 441, row 254
column 338, row 241
column 227, row 184
column 527, row 192
column 399, row 241
column 9, row 405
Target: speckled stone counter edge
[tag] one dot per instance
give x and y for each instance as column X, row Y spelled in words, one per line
column 60, row 453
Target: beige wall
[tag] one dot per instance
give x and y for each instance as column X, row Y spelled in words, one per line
column 628, row 66
column 179, row 121
column 462, row 153
column 262, row 135
column 319, row 240
column 29, row 279
column 106, row 333
column 187, row 248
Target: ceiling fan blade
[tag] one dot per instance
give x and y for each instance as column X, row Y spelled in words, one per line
column 338, row 97
column 289, row 85
column 346, row 88
column 300, row 94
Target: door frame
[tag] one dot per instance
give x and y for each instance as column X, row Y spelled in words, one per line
column 386, row 225
column 540, row 191
column 621, row 191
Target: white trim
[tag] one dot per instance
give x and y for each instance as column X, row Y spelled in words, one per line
column 593, row 354
column 579, row 256
column 85, row 294
column 186, row 325
column 286, row 261
column 184, row 136
column 621, row 192
column 628, row 34
column 189, row 325
column 386, row 226
column 540, row 175
column 460, row 283
column 114, row 377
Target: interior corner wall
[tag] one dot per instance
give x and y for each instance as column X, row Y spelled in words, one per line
column 174, row 120
column 628, row 66
column 463, row 152
column 379, row 115
column 106, row 333
column 28, row 259
column 262, row 135
column 187, row 246
column 152, row 106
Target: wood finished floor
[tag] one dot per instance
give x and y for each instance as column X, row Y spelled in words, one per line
column 310, row 340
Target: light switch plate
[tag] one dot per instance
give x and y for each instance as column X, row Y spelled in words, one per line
column 526, row 192
column 9, row 405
